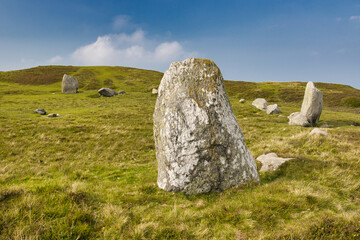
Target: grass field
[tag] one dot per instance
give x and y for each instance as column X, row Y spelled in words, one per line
column 91, row 173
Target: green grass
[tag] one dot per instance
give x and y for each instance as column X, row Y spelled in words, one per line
column 91, row 173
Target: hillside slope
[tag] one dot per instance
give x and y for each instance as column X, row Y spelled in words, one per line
column 91, row 173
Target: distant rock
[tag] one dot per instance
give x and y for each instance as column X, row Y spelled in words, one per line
column 69, row 84
column 154, row 91
column 260, row 103
column 53, row 115
column 107, row 92
column 312, row 103
column 271, row 161
column 199, row 144
column 272, row 109
column 318, row 132
column 242, row 100
column 121, row 92
column 325, row 125
column 40, row 111
column 298, row 118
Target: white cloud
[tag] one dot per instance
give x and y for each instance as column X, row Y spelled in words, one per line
column 55, row 59
column 134, row 50
column 355, row 18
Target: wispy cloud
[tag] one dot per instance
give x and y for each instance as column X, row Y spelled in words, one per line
column 122, row 22
column 133, row 49
column 55, row 59
column 354, row 18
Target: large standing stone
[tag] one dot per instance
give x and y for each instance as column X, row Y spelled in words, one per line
column 260, row 103
column 199, row 144
column 69, row 84
column 312, row 103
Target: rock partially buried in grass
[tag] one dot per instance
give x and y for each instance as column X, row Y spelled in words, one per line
column 272, row 109
column 154, row 91
column 107, row 92
column 298, row 118
column 271, row 161
column 317, row 131
column 40, row 111
column 52, row 115
column 121, row 92
column 69, row 84
column 199, row 144
column 242, row 100
column 260, row 103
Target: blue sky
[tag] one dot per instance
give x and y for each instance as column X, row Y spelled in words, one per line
column 250, row 40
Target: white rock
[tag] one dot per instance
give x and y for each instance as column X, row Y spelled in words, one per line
column 318, row 132
column 154, row 91
column 298, row 118
column 271, row 161
column 272, row 109
column 242, row 100
column 260, row 103
column 312, row 103
column 199, row 144
column 69, row 84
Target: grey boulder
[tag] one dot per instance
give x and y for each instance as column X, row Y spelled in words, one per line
column 271, row 161
column 199, row 144
column 272, row 109
column 40, row 111
column 260, row 103
column 69, row 84
column 298, row 118
column 107, row 92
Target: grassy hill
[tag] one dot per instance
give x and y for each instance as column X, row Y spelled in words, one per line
column 91, row 173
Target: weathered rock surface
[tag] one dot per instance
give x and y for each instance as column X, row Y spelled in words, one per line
column 107, row 92
column 53, row 115
column 121, row 92
column 154, row 91
column 317, row 131
column 199, row 144
column 40, row 111
column 260, row 103
column 242, row 100
column 311, row 108
column 298, row 118
column 271, row 161
column 69, row 84
column 272, row 109
column 312, row 103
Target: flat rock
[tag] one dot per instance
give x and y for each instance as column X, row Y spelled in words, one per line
column 69, row 84
column 154, row 91
column 272, row 109
column 199, row 144
column 298, row 118
column 40, row 111
column 260, row 103
column 107, row 92
column 312, row 104
column 271, row 161
column 318, row 132
column 53, row 115
column 121, row 92
column 242, row 100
